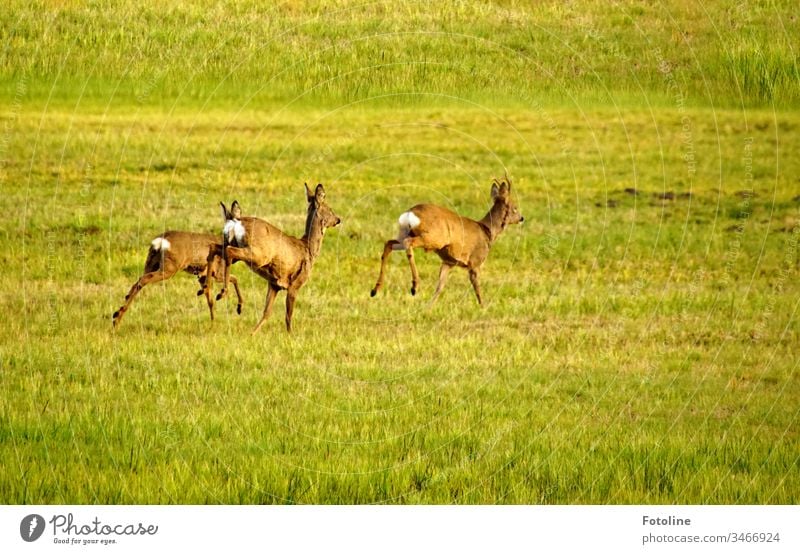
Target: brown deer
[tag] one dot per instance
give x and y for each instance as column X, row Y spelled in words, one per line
column 459, row 241
column 172, row 252
column 284, row 261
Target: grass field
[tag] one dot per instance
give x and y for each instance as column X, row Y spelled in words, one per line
column 640, row 338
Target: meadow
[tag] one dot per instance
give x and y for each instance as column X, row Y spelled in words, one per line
column 639, row 339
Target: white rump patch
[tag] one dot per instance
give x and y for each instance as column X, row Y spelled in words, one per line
column 160, row 243
column 408, row 220
column 236, row 226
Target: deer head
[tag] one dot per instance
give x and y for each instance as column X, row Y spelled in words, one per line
column 504, row 210
column 319, row 211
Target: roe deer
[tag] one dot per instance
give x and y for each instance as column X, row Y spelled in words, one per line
column 459, row 241
column 284, row 261
column 172, row 252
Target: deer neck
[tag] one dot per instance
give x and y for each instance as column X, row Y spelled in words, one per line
column 313, row 236
column 493, row 221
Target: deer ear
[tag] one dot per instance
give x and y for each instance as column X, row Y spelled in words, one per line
column 224, row 211
column 308, row 192
column 495, row 190
column 236, row 210
column 319, row 193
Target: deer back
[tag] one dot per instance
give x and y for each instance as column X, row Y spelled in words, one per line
column 455, row 238
column 275, row 253
column 183, row 248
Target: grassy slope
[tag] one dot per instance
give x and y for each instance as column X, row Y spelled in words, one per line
column 715, row 53
column 634, row 349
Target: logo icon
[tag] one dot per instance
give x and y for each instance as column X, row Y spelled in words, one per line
column 31, row 527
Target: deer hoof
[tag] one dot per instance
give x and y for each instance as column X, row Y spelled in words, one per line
column 239, row 309
column 373, row 292
column 413, row 291
column 219, row 296
column 200, row 292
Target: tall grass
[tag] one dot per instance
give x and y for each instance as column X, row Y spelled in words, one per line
column 331, row 52
column 764, row 74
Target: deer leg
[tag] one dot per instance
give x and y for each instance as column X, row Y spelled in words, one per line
column 409, row 244
column 209, row 293
column 206, row 284
column 443, row 272
column 226, row 275
column 387, row 250
column 473, row 278
column 214, row 253
column 207, row 290
column 239, row 300
column 233, row 254
column 204, row 278
column 291, row 295
column 146, row 279
column 272, row 292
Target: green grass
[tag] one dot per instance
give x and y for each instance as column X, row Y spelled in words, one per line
column 633, row 349
column 720, row 53
column 639, row 342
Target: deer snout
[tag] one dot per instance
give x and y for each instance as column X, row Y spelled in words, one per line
column 521, row 219
column 338, row 221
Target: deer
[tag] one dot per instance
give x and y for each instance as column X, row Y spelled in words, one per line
column 175, row 251
column 284, row 261
column 458, row 241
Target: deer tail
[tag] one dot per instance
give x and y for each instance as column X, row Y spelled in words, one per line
column 155, row 255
